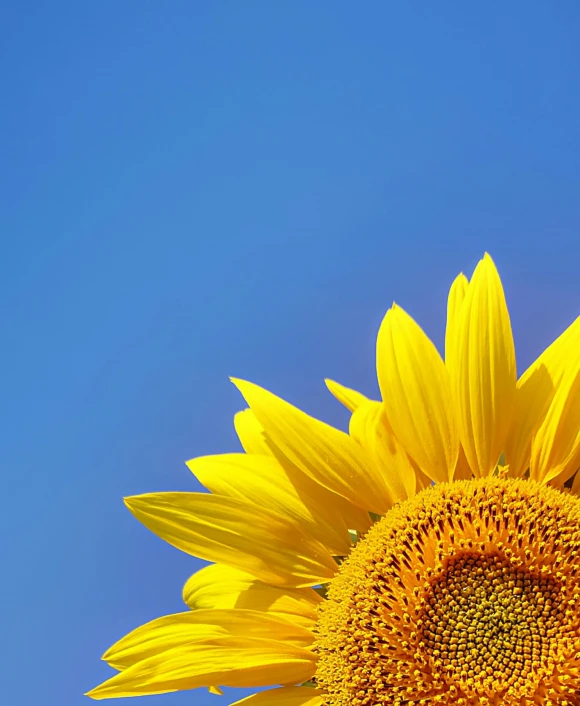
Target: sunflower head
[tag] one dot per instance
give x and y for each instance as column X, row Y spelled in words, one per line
column 431, row 555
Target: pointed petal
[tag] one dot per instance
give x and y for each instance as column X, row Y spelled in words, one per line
column 370, row 427
column 416, row 392
column 219, row 586
column 285, row 489
column 534, row 394
column 235, row 533
column 229, row 661
column 454, row 301
column 179, row 629
column 484, row 370
column 285, row 696
column 351, row 399
column 250, row 433
column 327, row 455
column 556, row 445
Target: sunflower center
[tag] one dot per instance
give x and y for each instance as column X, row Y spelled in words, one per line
column 466, row 594
column 486, row 623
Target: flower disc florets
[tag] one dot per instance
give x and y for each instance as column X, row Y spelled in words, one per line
column 466, row 594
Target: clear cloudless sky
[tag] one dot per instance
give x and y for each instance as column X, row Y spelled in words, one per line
column 192, row 190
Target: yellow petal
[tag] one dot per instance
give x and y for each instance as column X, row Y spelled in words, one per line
column 484, row 370
column 576, row 485
column 327, row 455
column 454, row 301
column 238, row 534
column 253, row 437
column 534, row 394
column 416, row 392
column 284, row 488
column 370, row 427
column 218, row 586
column 286, row 696
column 556, row 445
column 351, row 399
column 250, row 433
column 229, row 661
column 178, row 629
column 215, row 690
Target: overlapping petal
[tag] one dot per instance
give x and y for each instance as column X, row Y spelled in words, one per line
column 219, row 586
column 535, row 392
column 370, row 427
column 255, row 440
column 455, row 299
column 265, row 481
column 239, row 534
column 416, row 392
column 350, row 398
column 229, row 661
column 250, row 433
column 555, row 450
column 483, row 369
column 326, row 454
column 179, row 629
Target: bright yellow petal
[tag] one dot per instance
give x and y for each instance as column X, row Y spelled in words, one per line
column 230, row 531
column 484, row 370
column 351, row 399
column 454, row 301
column 178, row 629
column 416, row 392
column 250, row 433
column 327, row 455
column 355, row 517
column 534, row 394
column 370, row 427
column 229, row 661
column 286, row 696
column 218, row 586
column 556, row 445
column 253, row 436
column 215, row 690
column 284, row 488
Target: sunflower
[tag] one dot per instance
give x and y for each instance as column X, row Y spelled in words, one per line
column 430, row 555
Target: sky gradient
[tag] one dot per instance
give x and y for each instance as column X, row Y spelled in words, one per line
column 196, row 190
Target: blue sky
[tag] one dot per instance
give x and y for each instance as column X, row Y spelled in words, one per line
column 196, row 190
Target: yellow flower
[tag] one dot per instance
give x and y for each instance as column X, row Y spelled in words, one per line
column 431, row 555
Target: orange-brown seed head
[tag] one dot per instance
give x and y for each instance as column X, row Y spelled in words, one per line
column 465, row 594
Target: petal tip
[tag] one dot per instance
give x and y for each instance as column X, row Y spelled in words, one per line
column 242, row 385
